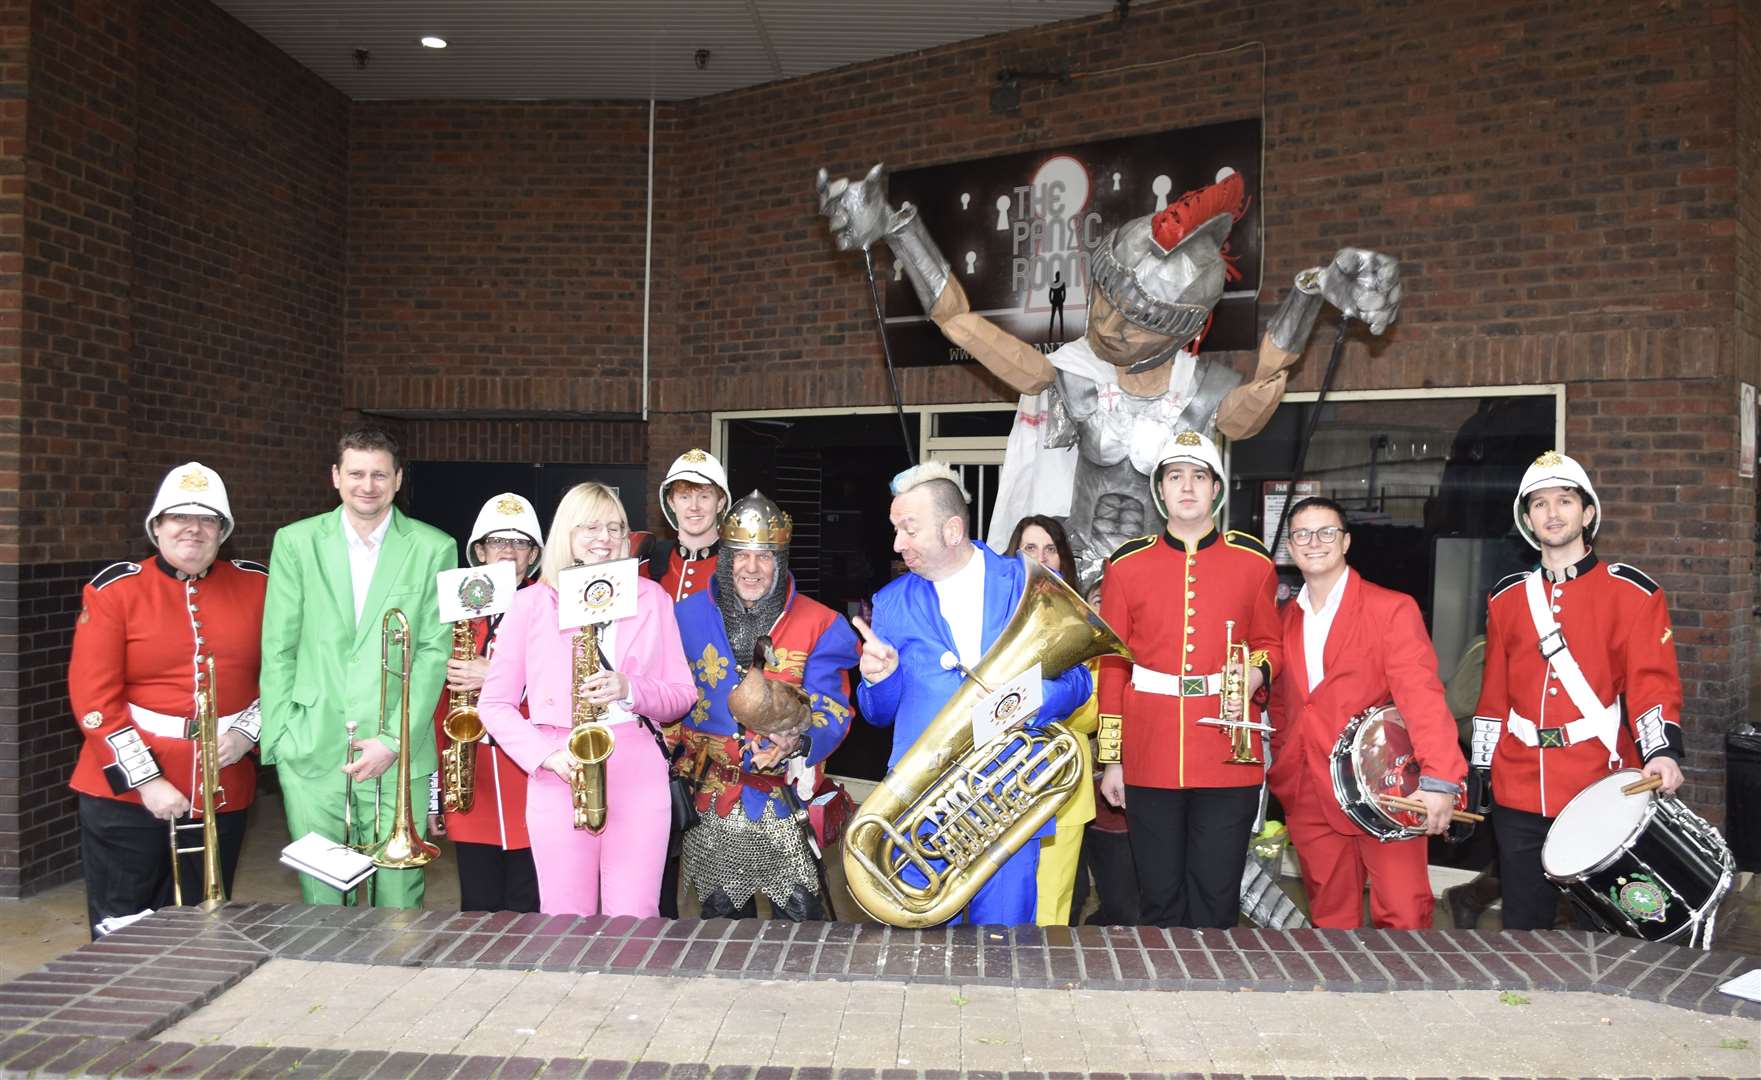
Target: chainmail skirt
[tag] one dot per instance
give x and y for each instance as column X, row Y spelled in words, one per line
column 741, row 857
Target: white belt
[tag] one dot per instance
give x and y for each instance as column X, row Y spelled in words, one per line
column 1526, row 732
column 1150, row 681
column 178, row 727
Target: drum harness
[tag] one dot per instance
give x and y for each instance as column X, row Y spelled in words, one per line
column 1598, row 721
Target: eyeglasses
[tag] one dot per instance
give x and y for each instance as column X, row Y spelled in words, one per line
column 508, row 543
column 1325, row 535
column 184, row 521
column 610, row 529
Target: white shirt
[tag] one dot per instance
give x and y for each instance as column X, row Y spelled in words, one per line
column 1316, row 625
column 363, row 558
column 961, row 598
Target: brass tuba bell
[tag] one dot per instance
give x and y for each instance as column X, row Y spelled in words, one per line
column 942, row 811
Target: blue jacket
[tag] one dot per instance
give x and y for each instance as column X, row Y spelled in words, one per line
column 908, row 616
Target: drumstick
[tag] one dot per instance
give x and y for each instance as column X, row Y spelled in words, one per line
column 1639, row 787
column 1418, row 807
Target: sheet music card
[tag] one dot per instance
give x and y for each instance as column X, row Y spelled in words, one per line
column 601, row 593
column 473, row 591
column 1008, row 706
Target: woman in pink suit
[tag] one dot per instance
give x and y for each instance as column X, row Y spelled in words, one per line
column 616, row 872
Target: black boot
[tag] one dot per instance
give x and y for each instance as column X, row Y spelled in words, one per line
column 803, row 906
column 717, row 905
column 1468, row 902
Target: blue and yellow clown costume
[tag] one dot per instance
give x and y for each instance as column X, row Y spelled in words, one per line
column 907, row 615
column 752, row 832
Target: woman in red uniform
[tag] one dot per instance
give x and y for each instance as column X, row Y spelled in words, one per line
column 144, row 634
column 494, row 854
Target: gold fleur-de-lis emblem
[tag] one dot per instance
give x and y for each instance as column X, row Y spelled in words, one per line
column 1551, row 458
column 508, row 506
column 711, row 667
column 1188, row 438
column 193, row 480
column 695, row 455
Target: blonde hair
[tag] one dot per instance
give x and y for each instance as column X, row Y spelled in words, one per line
column 591, row 501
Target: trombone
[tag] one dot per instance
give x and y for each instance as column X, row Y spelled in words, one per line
column 403, row 848
column 212, row 795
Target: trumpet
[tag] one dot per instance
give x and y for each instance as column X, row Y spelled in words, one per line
column 403, row 848
column 590, row 740
column 1233, row 705
column 464, row 730
column 212, row 795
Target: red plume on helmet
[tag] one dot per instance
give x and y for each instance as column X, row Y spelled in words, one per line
column 1172, row 225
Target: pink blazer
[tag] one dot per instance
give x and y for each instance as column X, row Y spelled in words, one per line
column 534, row 661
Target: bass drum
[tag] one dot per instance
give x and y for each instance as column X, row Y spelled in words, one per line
column 1373, row 757
column 1643, row 865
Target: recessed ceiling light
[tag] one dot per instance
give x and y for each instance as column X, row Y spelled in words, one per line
column 433, row 42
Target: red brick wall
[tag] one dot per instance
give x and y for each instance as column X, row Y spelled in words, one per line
column 1748, row 220
column 240, row 209
column 171, row 272
column 495, row 257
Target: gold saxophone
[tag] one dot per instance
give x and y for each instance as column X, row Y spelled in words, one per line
column 210, row 793
column 969, row 809
column 590, row 739
column 464, row 730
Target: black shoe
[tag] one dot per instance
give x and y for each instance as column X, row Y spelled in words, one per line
column 803, row 906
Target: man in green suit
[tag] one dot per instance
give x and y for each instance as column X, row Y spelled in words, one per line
column 335, row 577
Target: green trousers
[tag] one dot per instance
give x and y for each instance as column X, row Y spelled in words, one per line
column 315, row 804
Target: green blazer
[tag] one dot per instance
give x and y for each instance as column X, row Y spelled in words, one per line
column 322, row 669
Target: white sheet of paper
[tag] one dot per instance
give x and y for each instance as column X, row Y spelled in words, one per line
column 1747, row 985
column 1008, row 706
column 601, row 593
column 339, row 867
column 471, row 591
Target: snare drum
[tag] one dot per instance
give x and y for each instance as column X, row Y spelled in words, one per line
column 1641, row 865
column 1374, row 757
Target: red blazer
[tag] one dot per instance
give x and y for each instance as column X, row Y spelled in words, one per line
column 1377, row 651
column 1170, row 601
column 1616, row 620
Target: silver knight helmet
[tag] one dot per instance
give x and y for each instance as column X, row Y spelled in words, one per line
column 754, row 523
column 1165, row 272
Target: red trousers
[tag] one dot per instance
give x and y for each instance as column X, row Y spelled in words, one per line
column 1334, row 865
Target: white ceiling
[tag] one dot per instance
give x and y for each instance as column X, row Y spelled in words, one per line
column 599, row 49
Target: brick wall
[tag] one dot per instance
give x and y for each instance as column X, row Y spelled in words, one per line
column 1748, row 222
column 170, row 288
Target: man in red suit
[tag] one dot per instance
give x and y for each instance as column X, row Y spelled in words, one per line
column 1581, row 680
column 1351, row 646
column 492, row 848
column 1171, row 597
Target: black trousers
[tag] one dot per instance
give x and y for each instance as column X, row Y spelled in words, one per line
column 1189, row 847
column 1107, row 855
column 1531, row 902
column 125, row 854
column 494, row 879
column 669, row 884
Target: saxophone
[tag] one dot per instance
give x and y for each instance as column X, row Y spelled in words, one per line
column 590, row 739
column 464, row 730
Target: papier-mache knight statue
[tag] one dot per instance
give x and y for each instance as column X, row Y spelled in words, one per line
column 1094, row 412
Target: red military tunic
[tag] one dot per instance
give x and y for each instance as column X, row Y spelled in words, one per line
column 1615, row 620
column 142, row 633
column 680, row 570
column 1169, row 601
column 498, row 808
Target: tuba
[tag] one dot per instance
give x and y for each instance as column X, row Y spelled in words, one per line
column 464, row 730
column 212, row 795
column 954, row 813
column 590, row 739
column 403, row 848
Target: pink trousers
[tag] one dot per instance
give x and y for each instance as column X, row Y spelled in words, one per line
column 617, row 871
